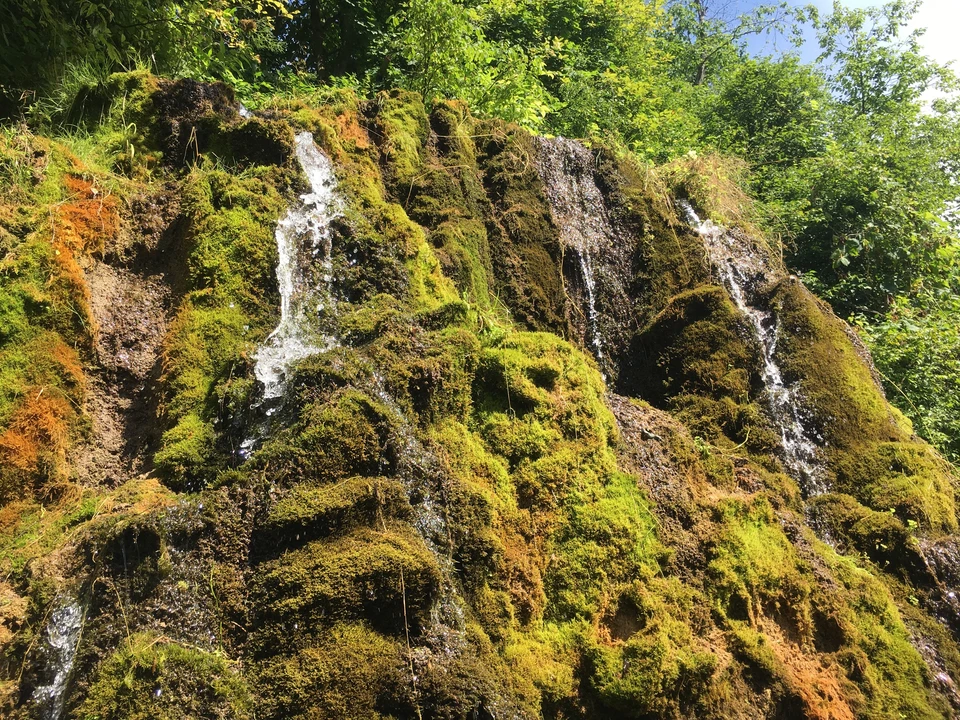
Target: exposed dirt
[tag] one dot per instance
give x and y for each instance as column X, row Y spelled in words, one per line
column 130, row 311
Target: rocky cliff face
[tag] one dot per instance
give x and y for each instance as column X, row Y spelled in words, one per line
column 344, row 410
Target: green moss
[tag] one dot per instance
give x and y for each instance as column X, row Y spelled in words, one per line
column 881, row 536
column 541, row 663
column 699, row 345
column 260, row 141
column 906, row 477
column 871, row 455
column 607, row 539
column 521, row 235
column 353, row 673
column 686, row 586
column 150, row 677
column 753, row 565
column 188, row 447
column 386, row 575
column 37, row 531
column 120, row 113
column 430, row 289
column 885, row 666
column 762, row 665
column 402, row 124
column 698, row 358
column 662, row 668
column 332, row 509
column 229, row 257
column 836, row 383
column 331, row 439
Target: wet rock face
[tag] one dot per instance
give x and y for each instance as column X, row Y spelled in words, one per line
column 304, row 274
column 746, row 270
column 445, row 512
column 597, row 253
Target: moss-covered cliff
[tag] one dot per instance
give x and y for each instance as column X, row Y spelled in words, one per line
column 521, row 482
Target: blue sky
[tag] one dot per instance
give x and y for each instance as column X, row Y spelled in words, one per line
column 941, row 18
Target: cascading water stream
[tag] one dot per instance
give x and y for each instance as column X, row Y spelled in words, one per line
column 304, row 237
column 739, row 270
column 566, row 169
column 302, row 234
column 59, row 650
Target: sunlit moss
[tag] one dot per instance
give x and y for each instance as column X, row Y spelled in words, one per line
column 152, row 677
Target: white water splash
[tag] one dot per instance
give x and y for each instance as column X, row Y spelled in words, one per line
column 578, row 210
column 60, row 650
column 244, row 112
column 739, row 270
column 303, row 237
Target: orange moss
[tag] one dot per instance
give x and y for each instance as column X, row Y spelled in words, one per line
column 350, row 131
column 89, row 217
column 38, row 429
column 75, row 284
column 67, row 359
column 821, row 688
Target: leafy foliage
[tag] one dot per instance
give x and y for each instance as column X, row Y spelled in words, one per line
column 199, row 38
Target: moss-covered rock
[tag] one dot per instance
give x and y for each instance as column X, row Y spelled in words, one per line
column 385, row 575
column 870, row 450
column 151, row 677
column 447, row 514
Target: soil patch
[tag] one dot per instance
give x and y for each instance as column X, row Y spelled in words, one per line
column 131, row 315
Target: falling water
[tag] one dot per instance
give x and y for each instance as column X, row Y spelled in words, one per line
column 59, row 650
column 416, row 467
column 579, row 212
column 739, row 271
column 303, row 237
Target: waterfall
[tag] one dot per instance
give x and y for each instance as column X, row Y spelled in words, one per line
column 579, row 212
column 303, row 237
column 739, row 270
column 59, row 650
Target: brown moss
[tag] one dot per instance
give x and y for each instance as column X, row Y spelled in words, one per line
column 33, row 447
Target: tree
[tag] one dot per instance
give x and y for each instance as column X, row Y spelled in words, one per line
column 331, row 38
column 873, row 70
column 773, row 113
column 40, row 39
column 873, row 229
column 705, row 37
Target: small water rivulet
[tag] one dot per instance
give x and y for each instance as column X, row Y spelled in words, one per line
column 59, row 651
column 578, row 210
column 446, row 638
column 416, row 466
column 740, row 271
column 304, row 273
